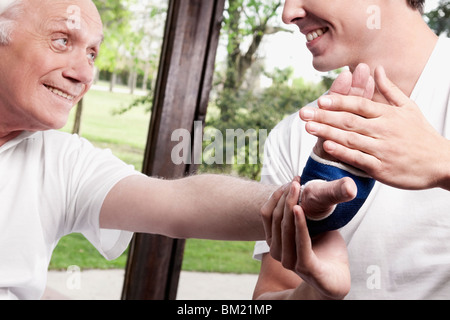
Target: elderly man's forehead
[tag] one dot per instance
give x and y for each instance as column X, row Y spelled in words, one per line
column 54, row 12
column 85, row 8
column 5, row 4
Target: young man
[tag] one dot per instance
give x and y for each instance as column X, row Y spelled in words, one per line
column 397, row 244
column 53, row 184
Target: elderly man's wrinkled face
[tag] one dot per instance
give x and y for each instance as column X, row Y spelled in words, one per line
column 49, row 64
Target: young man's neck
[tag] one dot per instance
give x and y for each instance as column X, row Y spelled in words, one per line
column 403, row 51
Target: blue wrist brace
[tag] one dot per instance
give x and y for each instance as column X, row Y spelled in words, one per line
column 319, row 169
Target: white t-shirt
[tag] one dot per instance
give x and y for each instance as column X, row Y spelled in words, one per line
column 399, row 242
column 51, row 184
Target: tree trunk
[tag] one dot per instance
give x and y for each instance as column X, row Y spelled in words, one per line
column 112, row 81
column 181, row 98
column 77, row 123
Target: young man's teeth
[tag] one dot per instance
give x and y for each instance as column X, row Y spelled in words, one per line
column 60, row 93
column 315, row 34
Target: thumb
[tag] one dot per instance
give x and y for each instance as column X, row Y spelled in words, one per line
column 342, row 84
column 388, row 89
column 319, row 197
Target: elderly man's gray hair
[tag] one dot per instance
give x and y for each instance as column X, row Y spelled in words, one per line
column 9, row 11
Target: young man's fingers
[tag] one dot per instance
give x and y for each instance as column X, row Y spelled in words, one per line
column 362, row 82
column 388, row 89
column 342, row 84
column 341, row 120
column 361, row 160
column 357, row 105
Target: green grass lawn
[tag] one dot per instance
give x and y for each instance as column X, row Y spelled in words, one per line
column 126, row 136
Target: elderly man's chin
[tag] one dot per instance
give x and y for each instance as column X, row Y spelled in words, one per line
column 58, row 110
column 55, row 122
column 55, row 118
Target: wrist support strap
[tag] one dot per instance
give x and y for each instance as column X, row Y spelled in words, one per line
column 319, row 169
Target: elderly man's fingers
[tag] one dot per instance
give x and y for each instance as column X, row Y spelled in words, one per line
column 320, row 197
column 267, row 211
column 304, row 253
column 277, row 218
column 288, row 259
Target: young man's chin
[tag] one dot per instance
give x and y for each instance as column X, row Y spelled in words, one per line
column 322, row 68
column 323, row 65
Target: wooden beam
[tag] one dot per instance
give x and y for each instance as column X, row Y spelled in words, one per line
column 181, row 97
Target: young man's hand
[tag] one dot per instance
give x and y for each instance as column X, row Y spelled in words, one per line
column 359, row 83
column 392, row 142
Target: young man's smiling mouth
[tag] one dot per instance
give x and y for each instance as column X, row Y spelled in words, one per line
column 310, row 36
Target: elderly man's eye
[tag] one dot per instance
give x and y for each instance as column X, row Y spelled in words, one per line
column 61, row 42
column 92, row 56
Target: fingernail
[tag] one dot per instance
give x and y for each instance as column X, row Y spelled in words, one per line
column 329, row 146
column 325, row 101
column 307, row 113
column 313, row 127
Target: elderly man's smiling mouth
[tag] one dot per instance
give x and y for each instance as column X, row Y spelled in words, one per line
column 60, row 93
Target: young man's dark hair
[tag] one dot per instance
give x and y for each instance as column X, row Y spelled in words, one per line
column 417, row 4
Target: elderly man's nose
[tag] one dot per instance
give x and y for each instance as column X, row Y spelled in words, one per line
column 293, row 9
column 80, row 71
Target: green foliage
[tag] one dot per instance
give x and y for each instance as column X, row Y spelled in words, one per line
column 259, row 110
column 133, row 32
column 219, row 256
column 199, row 255
column 125, row 135
column 116, row 24
column 144, row 101
column 439, row 19
column 246, row 21
column 76, row 250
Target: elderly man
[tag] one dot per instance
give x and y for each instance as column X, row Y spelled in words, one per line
column 398, row 244
column 53, row 184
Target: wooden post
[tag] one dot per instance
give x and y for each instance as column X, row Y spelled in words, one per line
column 181, row 97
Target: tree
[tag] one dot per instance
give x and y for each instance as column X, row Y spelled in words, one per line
column 439, row 18
column 258, row 111
column 240, row 102
column 115, row 18
column 133, row 34
column 246, row 21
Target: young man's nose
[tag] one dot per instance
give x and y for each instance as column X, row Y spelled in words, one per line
column 293, row 9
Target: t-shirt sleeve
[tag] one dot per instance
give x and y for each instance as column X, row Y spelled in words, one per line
column 93, row 173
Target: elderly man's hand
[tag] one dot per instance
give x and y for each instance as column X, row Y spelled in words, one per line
column 321, row 262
